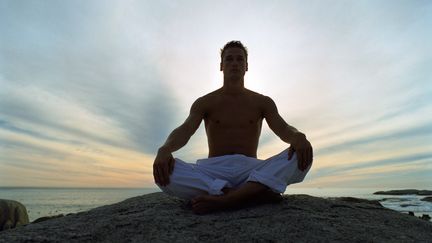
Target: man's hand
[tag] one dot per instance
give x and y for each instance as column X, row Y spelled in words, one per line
column 163, row 166
column 304, row 151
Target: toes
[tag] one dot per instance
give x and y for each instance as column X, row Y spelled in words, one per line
column 197, row 199
column 199, row 208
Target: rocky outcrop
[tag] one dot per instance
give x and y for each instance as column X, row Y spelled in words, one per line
column 298, row 218
column 405, row 192
column 12, row 214
column 41, row 219
column 427, row 199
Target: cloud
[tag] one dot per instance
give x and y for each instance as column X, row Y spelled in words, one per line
column 79, row 80
column 114, row 81
column 340, row 170
column 424, row 130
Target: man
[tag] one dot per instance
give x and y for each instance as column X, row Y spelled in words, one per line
column 232, row 175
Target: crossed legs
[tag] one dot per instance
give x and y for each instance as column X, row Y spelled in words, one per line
column 210, row 190
column 249, row 193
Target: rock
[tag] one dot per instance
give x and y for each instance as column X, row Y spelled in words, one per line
column 38, row 220
column 411, row 213
column 12, row 214
column 425, row 217
column 358, row 200
column 404, row 192
column 398, row 199
column 157, row 217
column 427, row 199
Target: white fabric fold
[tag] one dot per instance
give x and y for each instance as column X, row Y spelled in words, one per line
column 210, row 176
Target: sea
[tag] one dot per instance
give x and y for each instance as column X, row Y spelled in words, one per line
column 41, row 202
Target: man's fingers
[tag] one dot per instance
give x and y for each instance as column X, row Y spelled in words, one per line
column 171, row 166
column 290, row 153
column 155, row 174
column 310, row 156
column 305, row 159
column 166, row 173
column 300, row 159
column 161, row 176
column 309, row 159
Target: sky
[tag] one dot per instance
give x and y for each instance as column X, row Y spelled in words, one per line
column 89, row 90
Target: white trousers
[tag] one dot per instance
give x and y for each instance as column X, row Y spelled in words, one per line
column 210, row 176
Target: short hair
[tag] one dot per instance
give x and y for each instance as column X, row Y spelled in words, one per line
column 233, row 44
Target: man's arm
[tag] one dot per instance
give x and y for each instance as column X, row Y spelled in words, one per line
column 288, row 134
column 164, row 161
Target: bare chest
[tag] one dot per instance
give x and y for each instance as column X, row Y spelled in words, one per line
column 234, row 114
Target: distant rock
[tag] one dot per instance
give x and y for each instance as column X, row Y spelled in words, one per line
column 427, row 199
column 12, row 214
column 398, row 199
column 425, row 217
column 157, row 217
column 41, row 219
column 357, row 200
column 405, row 192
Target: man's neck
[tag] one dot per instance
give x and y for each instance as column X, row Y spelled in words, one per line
column 233, row 86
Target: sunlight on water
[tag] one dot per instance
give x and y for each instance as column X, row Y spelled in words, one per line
column 42, row 202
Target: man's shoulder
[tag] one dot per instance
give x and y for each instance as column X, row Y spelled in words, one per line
column 256, row 95
column 204, row 102
column 260, row 98
column 210, row 95
column 205, row 98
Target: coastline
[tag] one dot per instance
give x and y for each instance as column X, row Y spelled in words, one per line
column 157, row 217
column 51, row 201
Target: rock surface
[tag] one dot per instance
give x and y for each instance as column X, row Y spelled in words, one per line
column 157, row 217
column 405, row 192
column 12, row 214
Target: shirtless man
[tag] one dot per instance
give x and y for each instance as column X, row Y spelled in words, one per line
column 233, row 117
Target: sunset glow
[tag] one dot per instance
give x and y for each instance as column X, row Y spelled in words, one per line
column 90, row 89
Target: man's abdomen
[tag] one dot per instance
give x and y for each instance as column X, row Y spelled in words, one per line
column 233, row 141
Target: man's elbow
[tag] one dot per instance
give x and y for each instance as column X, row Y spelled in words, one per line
column 184, row 131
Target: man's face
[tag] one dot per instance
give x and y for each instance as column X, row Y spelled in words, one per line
column 234, row 63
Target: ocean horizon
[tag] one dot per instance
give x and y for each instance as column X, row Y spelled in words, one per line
column 51, row 201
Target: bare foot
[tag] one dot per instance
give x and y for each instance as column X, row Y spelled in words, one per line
column 227, row 190
column 209, row 203
column 268, row 196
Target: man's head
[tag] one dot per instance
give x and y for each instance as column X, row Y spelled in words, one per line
column 234, row 59
column 233, row 44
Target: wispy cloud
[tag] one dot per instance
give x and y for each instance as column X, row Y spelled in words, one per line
column 425, row 158
column 90, row 90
